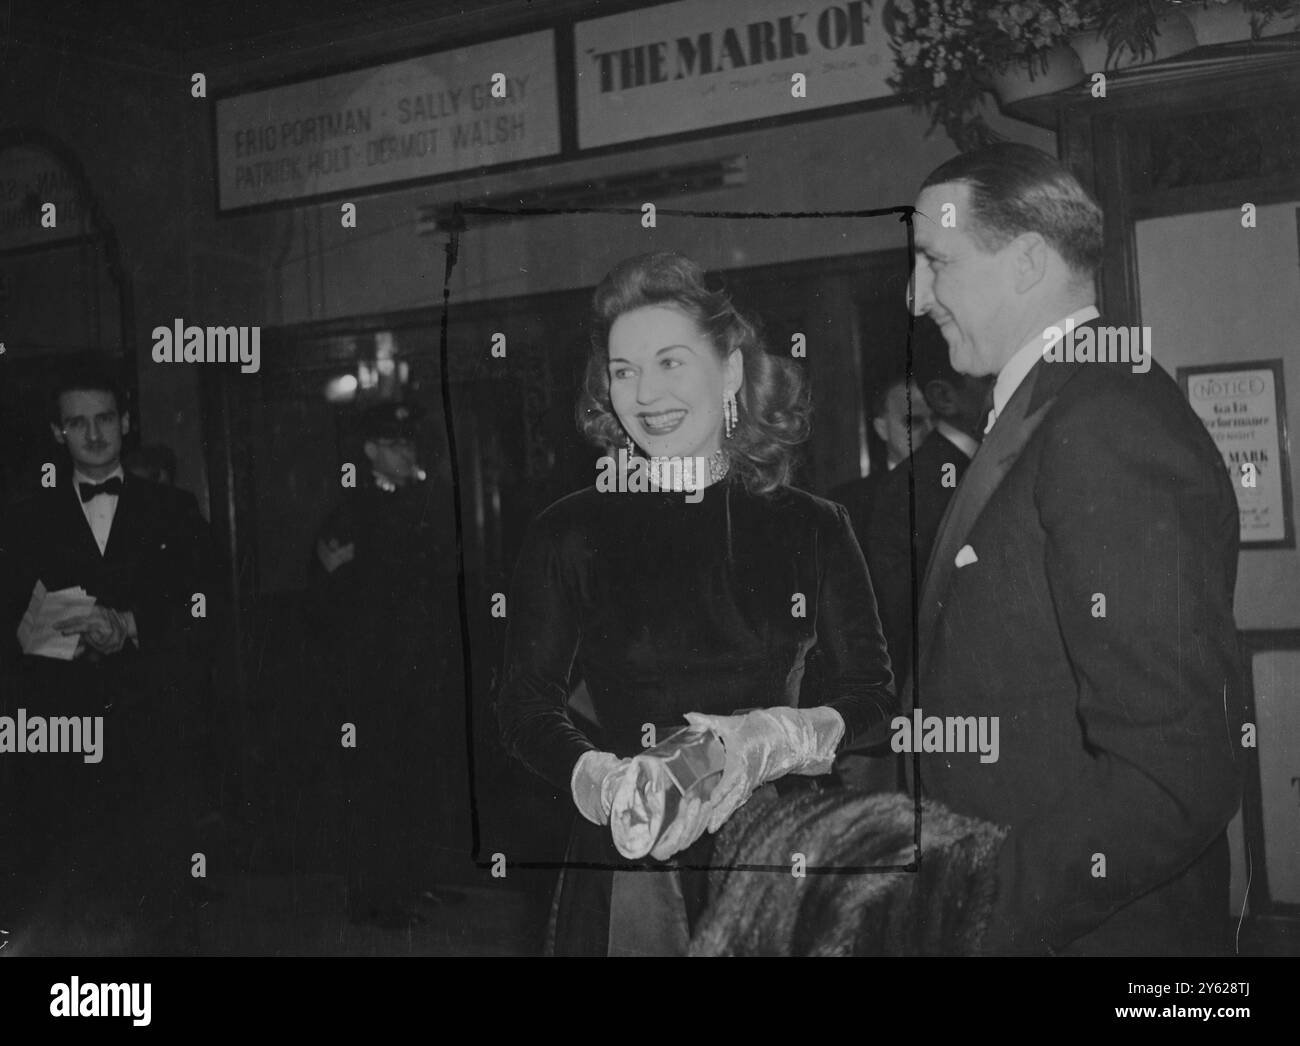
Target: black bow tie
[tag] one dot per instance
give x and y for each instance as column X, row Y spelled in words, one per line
column 112, row 486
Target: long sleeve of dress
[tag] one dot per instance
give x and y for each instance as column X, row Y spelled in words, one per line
column 542, row 636
column 853, row 674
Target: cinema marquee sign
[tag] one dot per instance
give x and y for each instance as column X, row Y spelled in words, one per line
column 461, row 110
column 693, row 65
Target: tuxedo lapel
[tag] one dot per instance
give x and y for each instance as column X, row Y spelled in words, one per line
column 1000, row 450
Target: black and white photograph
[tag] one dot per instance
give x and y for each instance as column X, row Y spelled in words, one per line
column 705, row 478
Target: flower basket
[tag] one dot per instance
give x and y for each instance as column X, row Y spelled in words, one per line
column 1060, row 69
column 1219, row 23
column 948, row 54
column 1280, row 25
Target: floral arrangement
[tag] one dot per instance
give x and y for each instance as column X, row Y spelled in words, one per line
column 1127, row 24
column 1132, row 24
column 1264, row 11
column 946, row 50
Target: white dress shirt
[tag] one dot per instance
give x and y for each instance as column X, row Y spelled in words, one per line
column 1016, row 369
column 99, row 510
column 965, row 443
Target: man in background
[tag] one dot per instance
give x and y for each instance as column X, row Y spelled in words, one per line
column 900, row 531
column 124, row 826
column 895, row 435
column 897, row 543
column 385, row 612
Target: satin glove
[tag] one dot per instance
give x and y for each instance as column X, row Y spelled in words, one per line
column 632, row 820
column 766, row 744
column 692, row 818
column 595, row 779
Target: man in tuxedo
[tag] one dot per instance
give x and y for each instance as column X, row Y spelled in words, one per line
column 897, row 431
column 958, row 407
column 141, row 550
column 1080, row 588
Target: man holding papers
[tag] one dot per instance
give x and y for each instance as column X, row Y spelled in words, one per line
column 106, row 609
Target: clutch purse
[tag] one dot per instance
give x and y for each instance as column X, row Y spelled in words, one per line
column 687, row 764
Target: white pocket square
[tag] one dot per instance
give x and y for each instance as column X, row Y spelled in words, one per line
column 966, row 556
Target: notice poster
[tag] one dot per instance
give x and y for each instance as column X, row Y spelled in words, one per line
column 1243, row 410
column 475, row 107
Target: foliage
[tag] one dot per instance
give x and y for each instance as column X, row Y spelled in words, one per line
column 946, row 51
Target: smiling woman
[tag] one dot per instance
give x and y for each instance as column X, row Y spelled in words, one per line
column 672, row 606
column 667, row 354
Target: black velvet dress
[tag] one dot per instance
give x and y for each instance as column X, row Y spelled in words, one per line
column 664, row 607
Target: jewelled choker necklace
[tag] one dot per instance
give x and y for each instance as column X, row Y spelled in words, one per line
column 688, row 474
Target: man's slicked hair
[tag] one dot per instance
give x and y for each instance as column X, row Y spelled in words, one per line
column 1015, row 189
column 86, row 377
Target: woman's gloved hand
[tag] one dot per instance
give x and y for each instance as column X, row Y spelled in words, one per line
column 692, row 818
column 595, row 779
column 766, row 744
column 649, row 815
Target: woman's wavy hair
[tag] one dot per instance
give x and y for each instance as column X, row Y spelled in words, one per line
column 773, row 400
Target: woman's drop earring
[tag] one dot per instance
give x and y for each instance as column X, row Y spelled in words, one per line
column 730, row 414
column 631, row 447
